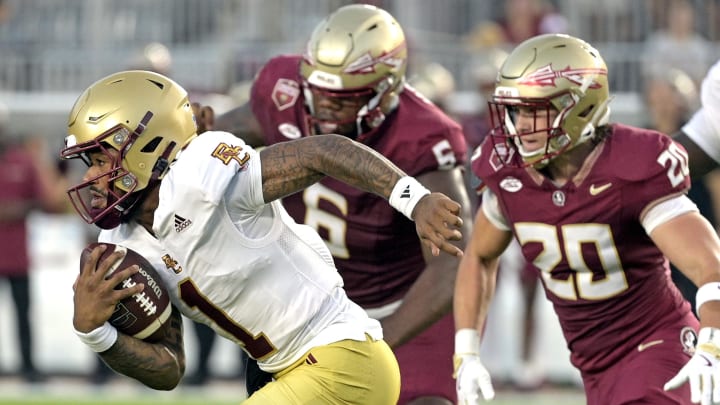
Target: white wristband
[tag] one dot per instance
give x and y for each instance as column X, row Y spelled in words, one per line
column 99, row 339
column 707, row 292
column 467, row 341
column 406, row 194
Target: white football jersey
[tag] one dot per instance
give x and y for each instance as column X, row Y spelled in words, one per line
column 240, row 265
column 704, row 126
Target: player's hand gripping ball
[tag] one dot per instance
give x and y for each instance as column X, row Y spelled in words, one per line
column 142, row 315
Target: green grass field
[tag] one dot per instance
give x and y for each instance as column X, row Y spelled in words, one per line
column 502, row 399
column 105, row 401
column 124, row 392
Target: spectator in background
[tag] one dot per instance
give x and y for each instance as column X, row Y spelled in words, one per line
column 678, row 45
column 525, row 19
column 521, row 19
column 27, row 183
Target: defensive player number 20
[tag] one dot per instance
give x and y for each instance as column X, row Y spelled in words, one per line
column 582, row 284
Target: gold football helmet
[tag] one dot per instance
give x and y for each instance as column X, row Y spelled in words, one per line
column 551, row 72
column 145, row 118
column 358, row 51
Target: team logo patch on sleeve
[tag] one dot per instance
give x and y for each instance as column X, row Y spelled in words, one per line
column 285, row 93
column 688, row 338
column 227, row 153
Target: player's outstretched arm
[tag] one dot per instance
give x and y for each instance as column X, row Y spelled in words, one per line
column 474, row 289
column 690, row 242
column 158, row 365
column 289, row 167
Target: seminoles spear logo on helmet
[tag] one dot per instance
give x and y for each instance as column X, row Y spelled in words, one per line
column 576, row 95
column 546, row 76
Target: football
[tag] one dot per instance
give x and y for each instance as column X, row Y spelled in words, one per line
column 142, row 315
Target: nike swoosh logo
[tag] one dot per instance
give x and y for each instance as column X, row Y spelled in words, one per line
column 643, row 346
column 599, row 189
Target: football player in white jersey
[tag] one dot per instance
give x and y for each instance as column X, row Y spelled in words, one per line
column 205, row 211
column 701, row 135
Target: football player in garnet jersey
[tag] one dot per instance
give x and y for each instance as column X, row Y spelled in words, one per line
column 351, row 81
column 597, row 208
column 204, row 211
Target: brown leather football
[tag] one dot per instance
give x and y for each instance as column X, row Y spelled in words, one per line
column 142, row 315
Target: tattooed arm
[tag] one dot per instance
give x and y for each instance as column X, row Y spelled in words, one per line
column 158, row 365
column 289, row 167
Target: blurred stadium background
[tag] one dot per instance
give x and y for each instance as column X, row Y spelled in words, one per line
column 52, row 49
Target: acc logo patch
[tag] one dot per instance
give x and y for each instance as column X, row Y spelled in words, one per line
column 289, row 130
column 511, row 184
column 285, row 93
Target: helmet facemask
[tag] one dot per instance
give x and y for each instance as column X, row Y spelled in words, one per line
column 547, row 119
column 369, row 114
column 118, row 201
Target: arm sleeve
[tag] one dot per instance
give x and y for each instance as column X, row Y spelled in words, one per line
column 666, row 211
column 491, row 209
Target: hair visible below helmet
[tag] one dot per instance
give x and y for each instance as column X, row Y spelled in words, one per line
column 551, row 72
column 146, row 118
column 359, row 50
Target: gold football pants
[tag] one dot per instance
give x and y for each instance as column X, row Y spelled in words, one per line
column 345, row 372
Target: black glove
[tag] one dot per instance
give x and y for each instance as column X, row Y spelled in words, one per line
column 254, row 377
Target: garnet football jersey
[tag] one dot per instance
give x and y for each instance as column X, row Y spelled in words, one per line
column 609, row 284
column 376, row 248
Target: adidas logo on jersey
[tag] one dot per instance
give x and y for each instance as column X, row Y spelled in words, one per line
column 406, row 192
column 181, row 223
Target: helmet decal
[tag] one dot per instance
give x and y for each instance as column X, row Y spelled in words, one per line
column 366, row 63
column 546, row 76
